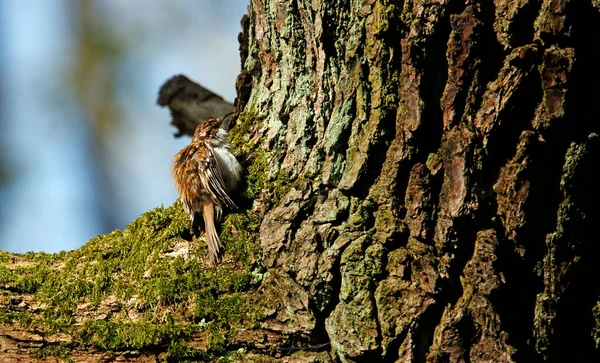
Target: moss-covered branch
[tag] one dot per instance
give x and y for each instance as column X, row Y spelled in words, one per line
column 146, row 288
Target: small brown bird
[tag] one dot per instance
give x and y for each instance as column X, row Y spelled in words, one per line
column 205, row 172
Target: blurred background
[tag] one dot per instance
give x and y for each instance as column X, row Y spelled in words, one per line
column 84, row 149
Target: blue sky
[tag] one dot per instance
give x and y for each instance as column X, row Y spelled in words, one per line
column 50, row 202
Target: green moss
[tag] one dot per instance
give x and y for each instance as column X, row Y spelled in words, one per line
column 59, row 351
column 257, row 174
column 239, row 236
column 121, row 335
column 282, row 185
column 260, row 176
column 138, row 271
column 181, row 350
column 24, row 319
column 44, row 257
column 5, row 257
column 240, row 133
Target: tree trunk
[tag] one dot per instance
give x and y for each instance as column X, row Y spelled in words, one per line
column 442, row 155
column 419, row 187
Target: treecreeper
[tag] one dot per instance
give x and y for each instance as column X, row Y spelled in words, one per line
column 205, row 172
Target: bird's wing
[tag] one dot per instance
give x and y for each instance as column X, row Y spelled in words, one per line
column 210, row 172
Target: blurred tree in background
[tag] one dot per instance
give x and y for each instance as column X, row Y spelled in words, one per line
column 94, row 76
column 84, row 149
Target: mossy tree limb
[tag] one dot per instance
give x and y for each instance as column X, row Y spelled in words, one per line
column 420, row 187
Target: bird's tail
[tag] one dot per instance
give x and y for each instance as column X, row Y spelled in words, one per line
column 215, row 248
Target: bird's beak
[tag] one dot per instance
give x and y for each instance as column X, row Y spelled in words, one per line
column 225, row 121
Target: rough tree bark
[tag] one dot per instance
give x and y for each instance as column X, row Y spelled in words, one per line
column 420, row 187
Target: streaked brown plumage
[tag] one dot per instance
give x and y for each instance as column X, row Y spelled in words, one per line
column 204, row 172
